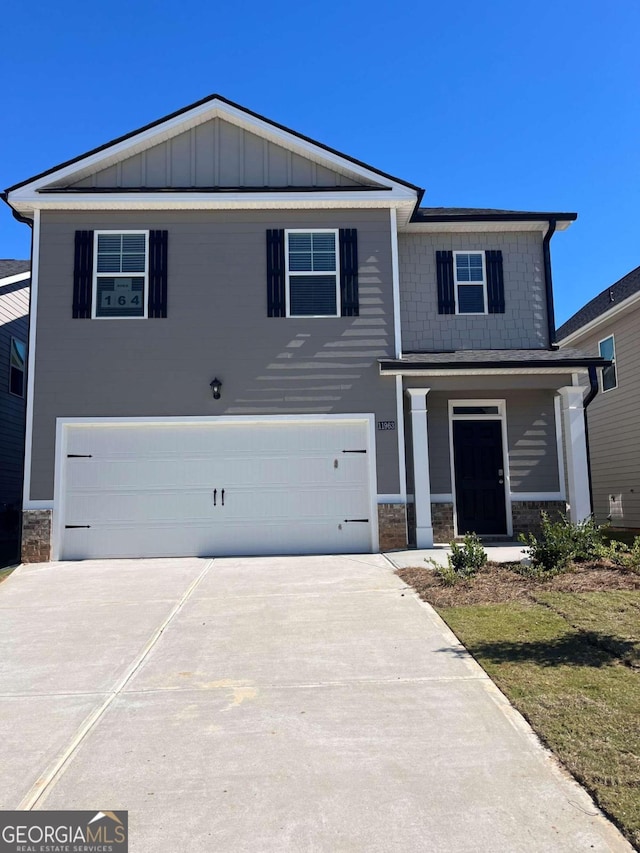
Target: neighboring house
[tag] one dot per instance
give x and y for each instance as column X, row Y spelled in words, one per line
column 245, row 342
column 609, row 325
column 14, row 332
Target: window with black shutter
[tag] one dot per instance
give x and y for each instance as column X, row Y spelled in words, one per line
column 120, row 274
column 470, row 282
column 312, row 272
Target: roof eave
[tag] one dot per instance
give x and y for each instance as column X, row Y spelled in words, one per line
column 398, row 367
column 592, row 325
column 496, row 217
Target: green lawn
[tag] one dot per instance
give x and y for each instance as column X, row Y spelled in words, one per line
column 4, row 574
column 570, row 663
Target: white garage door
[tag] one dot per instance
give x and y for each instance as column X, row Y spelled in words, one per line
column 215, row 489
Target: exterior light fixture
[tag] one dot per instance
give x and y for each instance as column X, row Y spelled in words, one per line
column 216, row 385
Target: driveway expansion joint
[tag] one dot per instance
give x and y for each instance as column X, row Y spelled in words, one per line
column 47, row 781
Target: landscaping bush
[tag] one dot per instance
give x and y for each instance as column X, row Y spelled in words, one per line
column 463, row 562
column 631, row 559
column 561, row 542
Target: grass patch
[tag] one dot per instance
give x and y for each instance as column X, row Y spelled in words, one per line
column 4, row 573
column 566, row 652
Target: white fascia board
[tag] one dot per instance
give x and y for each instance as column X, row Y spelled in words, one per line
column 198, row 115
column 480, row 227
column 128, row 201
column 610, row 314
column 12, row 279
column 494, row 371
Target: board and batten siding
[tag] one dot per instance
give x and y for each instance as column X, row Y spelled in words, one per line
column 614, row 424
column 216, row 153
column 531, row 433
column 217, row 326
column 14, row 323
column 524, row 322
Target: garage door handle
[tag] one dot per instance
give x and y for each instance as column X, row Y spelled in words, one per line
column 222, row 496
column 215, row 496
column 349, row 520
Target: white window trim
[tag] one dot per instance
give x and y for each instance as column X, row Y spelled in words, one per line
column 24, row 369
column 94, row 283
column 613, row 341
column 500, row 416
column 335, row 232
column 457, row 283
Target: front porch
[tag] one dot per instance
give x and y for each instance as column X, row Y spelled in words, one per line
column 492, row 441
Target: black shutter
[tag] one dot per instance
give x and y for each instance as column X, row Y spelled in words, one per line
column 495, row 282
column 83, row 275
column 276, row 301
column 349, row 300
column 158, row 273
column 446, row 294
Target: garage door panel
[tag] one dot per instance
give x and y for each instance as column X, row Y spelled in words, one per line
column 241, row 504
column 305, row 537
column 147, row 489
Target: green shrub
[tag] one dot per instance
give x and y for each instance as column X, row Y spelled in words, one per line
column 586, row 539
column 631, row 560
column 463, row 562
column 467, row 558
column 615, row 551
column 560, row 542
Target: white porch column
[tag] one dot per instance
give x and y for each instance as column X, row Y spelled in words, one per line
column 421, row 478
column 571, row 402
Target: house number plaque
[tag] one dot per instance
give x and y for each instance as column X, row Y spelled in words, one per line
column 386, row 424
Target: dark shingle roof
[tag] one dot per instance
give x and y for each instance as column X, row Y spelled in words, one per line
column 490, row 358
column 10, row 267
column 488, row 214
column 603, row 302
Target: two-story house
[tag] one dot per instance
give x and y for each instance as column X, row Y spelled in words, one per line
column 609, row 325
column 245, row 342
column 14, row 325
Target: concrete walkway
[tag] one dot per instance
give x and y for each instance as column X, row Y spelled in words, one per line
column 508, row 552
column 272, row 704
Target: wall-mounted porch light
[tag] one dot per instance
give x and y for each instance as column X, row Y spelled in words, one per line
column 215, row 386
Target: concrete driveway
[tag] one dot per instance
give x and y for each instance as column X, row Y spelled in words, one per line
column 268, row 704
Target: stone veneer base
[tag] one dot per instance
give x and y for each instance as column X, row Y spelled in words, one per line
column 526, row 514
column 442, row 521
column 36, row 535
column 392, row 526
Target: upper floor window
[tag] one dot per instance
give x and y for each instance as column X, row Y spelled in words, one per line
column 608, row 350
column 470, row 282
column 120, row 283
column 17, row 367
column 313, row 282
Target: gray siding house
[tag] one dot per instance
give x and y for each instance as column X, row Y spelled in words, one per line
column 609, row 325
column 14, row 331
column 245, row 342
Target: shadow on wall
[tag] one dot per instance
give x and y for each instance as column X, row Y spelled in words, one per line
column 305, row 380
column 532, row 445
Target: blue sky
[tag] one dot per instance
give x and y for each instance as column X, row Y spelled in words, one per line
column 530, row 106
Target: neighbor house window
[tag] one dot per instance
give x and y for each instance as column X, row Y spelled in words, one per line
column 470, row 282
column 17, row 367
column 120, row 278
column 609, row 376
column 312, row 273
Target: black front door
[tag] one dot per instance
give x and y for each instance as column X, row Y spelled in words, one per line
column 478, row 464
